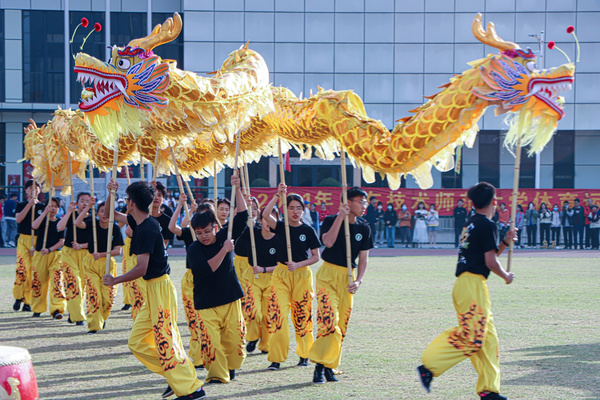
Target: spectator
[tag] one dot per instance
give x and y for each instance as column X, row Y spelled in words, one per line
column 555, row 226
column 314, row 216
column 587, row 211
column 578, row 222
column 503, row 220
column 594, row 218
column 324, row 213
column 566, row 216
column 2, row 222
column 433, row 223
column 545, row 222
column 306, row 214
column 371, row 214
column 531, row 219
column 390, row 217
column 405, row 225
column 10, row 207
column 519, row 223
column 460, row 218
column 420, row 234
column 379, row 225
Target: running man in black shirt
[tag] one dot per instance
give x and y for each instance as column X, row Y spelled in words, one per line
column 25, row 249
column 155, row 338
column 292, row 282
column 46, row 268
column 334, row 295
column 217, row 291
column 73, row 260
column 100, row 299
column 476, row 336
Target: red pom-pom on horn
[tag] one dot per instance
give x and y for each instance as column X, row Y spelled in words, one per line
column 570, row 29
column 551, row 44
column 97, row 27
column 84, row 22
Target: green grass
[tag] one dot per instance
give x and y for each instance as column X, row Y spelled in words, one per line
column 548, row 322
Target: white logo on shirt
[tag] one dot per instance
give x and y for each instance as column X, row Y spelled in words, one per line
column 358, row 237
column 302, row 238
column 272, row 250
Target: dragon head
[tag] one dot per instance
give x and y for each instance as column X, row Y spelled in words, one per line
column 513, row 83
column 134, row 76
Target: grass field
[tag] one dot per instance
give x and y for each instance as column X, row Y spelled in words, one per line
column 548, row 321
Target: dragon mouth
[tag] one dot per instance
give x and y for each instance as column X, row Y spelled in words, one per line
column 106, row 86
column 548, row 90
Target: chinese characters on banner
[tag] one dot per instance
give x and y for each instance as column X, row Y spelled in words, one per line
column 445, row 200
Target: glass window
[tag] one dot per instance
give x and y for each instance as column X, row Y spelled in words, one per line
column 450, row 179
column 2, row 157
column 2, row 68
column 172, row 50
column 381, row 183
column 564, row 160
column 527, row 170
column 489, row 157
column 43, row 57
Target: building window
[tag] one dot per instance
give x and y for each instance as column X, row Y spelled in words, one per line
column 564, row 160
column 43, row 57
column 489, row 157
column 2, row 66
column 527, row 170
column 451, row 179
column 174, row 49
column 381, row 182
column 2, row 158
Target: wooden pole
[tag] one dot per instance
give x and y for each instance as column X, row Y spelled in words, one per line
column 513, row 210
column 33, row 217
column 346, row 221
column 72, row 194
column 285, row 210
column 185, row 206
column 215, row 183
column 48, row 215
column 110, row 204
column 233, row 188
column 189, row 191
column 154, row 174
column 142, row 166
column 93, row 209
column 127, row 175
column 250, row 220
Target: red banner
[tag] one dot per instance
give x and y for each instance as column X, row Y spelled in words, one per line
column 444, row 199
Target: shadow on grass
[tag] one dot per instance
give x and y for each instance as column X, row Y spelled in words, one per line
column 570, row 366
column 266, row 392
column 113, row 373
column 90, row 358
column 112, row 392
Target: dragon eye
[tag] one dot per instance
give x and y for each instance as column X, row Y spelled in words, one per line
column 530, row 66
column 124, row 63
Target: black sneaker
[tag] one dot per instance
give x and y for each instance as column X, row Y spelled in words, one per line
column 231, row 374
column 273, row 366
column 36, row 314
column 57, row 315
column 492, row 396
column 303, row 362
column 330, row 375
column 214, row 382
column 79, row 323
column 17, row 305
column 199, row 394
column 251, row 346
column 318, row 376
column 69, row 320
column 168, row 392
column 425, row 377
column 264, row 352
column 26, row 308
column 92, row 332
column 126, row 307
column 199, row 367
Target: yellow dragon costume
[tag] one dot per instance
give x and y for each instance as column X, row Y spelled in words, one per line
column 148, row 104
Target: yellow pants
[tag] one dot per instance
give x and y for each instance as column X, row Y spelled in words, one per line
column 22, row 285
column 135, row 290
column 475, row 337
column 241, row 270
column 46, row 271
column 256, row 311
column 100, row 298
column 223, row 330
column 126, row 268
column 290, row 290
column 74, row 273
column 191, row 316
column 155, row 339
column 334, row 306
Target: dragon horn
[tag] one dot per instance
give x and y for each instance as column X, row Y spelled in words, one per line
column 161, row 34
column 489, row 36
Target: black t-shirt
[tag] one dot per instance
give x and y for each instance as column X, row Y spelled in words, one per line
column 163, row 220
column 266, row 249
column 460, row 216
column 303, row 238
column 101, row 236
column 360, row 239
column 148, row 239
column 477, row 238
column 24, row 227
column 82, row 236
column 216, row 288
column 186, row 237
column 53, row 235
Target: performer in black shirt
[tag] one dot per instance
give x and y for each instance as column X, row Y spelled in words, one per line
column 217, row 291
column 100, row 298
column 155, row 338
column 46, row 268
column 291, row 283
column 334, row 295
column 157, row 212
column 73, row 259
column 476, row 336
column 25, row 246
column 258, row 290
